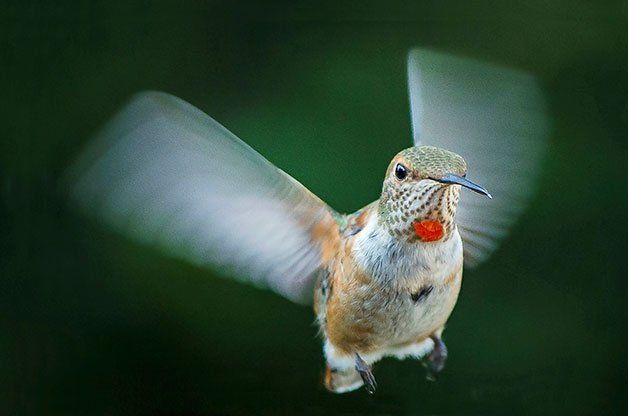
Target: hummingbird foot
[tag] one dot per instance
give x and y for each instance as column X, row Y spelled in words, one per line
column 435, row 362
column 366, row 373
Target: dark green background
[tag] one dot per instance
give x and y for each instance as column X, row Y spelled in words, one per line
column 92, row 324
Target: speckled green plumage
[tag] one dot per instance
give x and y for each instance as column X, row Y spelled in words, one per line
column 414, row 198
column 432, row 162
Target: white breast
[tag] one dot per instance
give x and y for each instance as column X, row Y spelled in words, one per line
column 403, row 268
column 406, row 264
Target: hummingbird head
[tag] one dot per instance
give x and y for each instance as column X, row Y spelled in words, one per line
column 421, row 192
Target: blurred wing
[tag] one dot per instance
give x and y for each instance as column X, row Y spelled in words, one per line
column 166, row 174
column 495, row 119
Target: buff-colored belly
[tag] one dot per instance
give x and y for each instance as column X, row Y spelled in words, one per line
column 416, row 321
column 364, row 318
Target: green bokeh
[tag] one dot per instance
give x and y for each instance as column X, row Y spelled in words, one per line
column 93, row 324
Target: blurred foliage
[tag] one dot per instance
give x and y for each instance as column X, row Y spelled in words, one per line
column 93, row 324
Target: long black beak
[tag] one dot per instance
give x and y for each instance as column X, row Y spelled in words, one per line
column 459, row 180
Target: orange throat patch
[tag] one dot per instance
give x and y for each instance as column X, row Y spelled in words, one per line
column 428, row 230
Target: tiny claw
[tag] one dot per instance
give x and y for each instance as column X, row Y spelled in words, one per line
column 435, row 362
column 366, row 373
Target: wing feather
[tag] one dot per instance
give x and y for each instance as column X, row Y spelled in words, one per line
column 495, row 118
column 166, row 174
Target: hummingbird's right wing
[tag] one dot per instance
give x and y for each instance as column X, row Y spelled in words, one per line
column 494, row 118
column 164, row 173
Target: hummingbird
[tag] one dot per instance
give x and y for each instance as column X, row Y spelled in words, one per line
column 383, row 280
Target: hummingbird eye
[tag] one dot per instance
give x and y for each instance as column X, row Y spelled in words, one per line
column 401, row 172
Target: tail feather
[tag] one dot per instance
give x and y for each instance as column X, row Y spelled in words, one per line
column 342, row 380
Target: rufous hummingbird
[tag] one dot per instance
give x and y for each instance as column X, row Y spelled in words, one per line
column 384, row 279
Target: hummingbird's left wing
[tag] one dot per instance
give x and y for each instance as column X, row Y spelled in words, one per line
column 164, row 173
column 494, row 118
